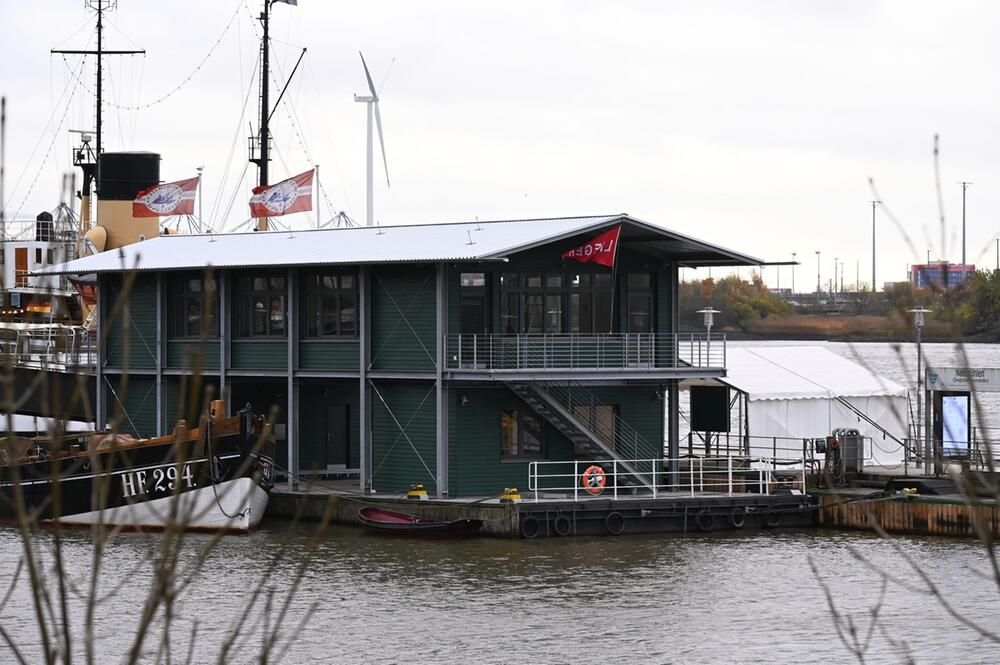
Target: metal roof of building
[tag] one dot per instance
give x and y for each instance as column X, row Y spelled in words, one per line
column 416, row 243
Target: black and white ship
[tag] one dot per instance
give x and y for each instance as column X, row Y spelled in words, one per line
column 216, row 476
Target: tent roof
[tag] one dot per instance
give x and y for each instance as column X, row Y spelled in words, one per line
column 469, row 241
column 802, row 372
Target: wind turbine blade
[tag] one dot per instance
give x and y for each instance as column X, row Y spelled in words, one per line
column 381, row 141
column 371, row 86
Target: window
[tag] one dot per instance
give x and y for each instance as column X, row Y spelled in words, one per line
column 193, row 307
column 577, row 303
column 640, row 303
column 38, row 255
column 48, row 257
column 331, row 304
column 261, row 310
column 520, row 434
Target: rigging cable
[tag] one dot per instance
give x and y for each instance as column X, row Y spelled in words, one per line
column 48, row 151
column 185, row 81
column 229, row 162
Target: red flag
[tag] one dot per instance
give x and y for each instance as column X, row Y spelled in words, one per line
column 601, row 249
column 284, row 198
column 170, row 198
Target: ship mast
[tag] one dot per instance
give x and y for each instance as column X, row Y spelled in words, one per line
column 260, row 156
column 87, row 158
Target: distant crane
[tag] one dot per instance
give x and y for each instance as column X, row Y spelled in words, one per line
column 372, row 101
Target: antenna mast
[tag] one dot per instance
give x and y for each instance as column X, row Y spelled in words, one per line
column 260, row 144
column 84, row 157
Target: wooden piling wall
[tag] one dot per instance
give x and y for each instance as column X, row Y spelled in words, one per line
column 926, row 515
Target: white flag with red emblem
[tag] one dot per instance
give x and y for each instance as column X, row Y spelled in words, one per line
column 283, row 198
column 170, row 198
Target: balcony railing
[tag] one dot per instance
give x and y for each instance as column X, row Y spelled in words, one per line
column 49, row 347
column 625, row 351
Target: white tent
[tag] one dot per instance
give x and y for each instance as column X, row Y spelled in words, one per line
column 806, row 392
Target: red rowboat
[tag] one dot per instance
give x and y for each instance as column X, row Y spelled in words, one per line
column 389, row 521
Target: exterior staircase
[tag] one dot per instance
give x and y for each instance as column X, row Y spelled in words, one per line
column 557, row 404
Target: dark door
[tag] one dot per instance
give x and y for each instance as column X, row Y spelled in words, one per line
column 20, row 266
column 474, row 323
column 338, row 432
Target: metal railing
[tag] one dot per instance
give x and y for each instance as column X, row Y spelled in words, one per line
column 585, row 352
column 600, row 418
column 48, row 346
column 694, row 475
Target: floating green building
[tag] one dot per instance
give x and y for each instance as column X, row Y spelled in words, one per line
column 450, row 355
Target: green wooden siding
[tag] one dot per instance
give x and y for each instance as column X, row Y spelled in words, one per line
column 178, row 404
column 398, row 460
column 186, row 354
column 403, row 321
column 339, row 355
column 475, row 467
column 132, row 404
column 258, row 354
column 314, row 397
column 132, row 330
column 475, row 464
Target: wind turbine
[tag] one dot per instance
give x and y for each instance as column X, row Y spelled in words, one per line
column 372, row 101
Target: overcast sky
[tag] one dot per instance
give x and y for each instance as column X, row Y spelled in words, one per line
column 754, row 125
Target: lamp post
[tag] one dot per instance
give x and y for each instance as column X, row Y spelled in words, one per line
column 918, row 323
column 834, row 289
column 708, row 314
column 201, row 223
column 874, row 204
column 793, row 267
column 817, row 278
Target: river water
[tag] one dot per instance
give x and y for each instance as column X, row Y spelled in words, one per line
column 751, row 597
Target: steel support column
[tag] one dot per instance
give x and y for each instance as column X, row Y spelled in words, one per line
column 160, row 348
column 225, row 320
column 364, row 406
column 441, row 412
column 292, row 415
column 100, row 418
column 673, row 385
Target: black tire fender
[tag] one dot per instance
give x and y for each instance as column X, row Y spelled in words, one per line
column 772, row 519
column 615, row 523
column 738, row 518
column 562, row 525
column 529, row 526
column 705, row 520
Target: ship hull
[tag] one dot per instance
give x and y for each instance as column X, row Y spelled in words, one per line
column 187, row 484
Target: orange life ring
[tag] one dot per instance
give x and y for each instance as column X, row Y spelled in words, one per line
column 594, row 479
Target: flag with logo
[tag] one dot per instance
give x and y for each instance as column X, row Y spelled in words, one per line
column 601, row 249
column 170, row 198
column 283, row 198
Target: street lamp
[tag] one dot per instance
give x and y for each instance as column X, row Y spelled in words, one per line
column 918, row 323
column 201, row 223
column 874, row 204
column 793, row 269
column 708, row 314
column 817, row 278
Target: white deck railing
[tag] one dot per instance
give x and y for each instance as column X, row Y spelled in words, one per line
column 48, row 347
column 652, row 477
column 585, row 352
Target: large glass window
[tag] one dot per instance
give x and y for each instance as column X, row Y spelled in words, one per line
column 261, row 308
column 331, row 299
column 577, row 303
column 640, row 303
column 193, row 307
column 520, row 434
